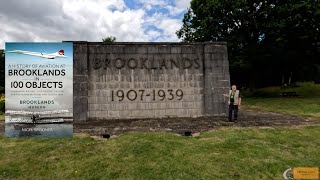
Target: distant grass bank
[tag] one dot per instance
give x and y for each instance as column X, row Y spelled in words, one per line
column 228, row 153
column 307, row 104
column 1, row 117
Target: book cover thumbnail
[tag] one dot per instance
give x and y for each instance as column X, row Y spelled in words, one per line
column 39, row 89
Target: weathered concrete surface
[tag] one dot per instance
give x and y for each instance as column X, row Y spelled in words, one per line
column 149, row 80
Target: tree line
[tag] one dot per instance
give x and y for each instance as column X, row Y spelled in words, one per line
column 270, row 42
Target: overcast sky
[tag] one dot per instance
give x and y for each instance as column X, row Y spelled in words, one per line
column 90, row 20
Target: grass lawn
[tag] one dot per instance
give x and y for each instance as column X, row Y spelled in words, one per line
column 307, row 104
column 228, row 153
column 1, row 117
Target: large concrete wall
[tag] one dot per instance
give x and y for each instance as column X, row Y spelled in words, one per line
column 149, row 80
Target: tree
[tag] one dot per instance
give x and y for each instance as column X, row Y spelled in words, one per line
column 109, row 39
column 2, row 71
column 266, row 39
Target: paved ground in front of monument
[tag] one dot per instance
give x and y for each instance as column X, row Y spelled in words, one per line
column 180, row 125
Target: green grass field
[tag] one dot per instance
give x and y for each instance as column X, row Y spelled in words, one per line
column 306, row 105
column 229, row 153
column 1, row 117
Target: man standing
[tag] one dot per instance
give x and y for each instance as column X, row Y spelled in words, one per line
column 33, row 119
column 234, row 103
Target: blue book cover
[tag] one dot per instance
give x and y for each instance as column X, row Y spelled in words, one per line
column 39, row 89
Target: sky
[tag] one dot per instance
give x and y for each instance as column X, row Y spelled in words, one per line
column 90, row 20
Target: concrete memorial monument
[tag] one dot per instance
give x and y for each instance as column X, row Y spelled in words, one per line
column 149, row 80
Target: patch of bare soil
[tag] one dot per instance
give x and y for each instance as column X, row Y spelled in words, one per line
column 182, row 125
column 1, row 127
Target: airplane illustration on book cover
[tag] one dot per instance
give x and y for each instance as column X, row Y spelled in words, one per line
column 58, row 54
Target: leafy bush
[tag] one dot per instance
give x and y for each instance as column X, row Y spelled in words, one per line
column 2, row 90
column 2, row 107
column 2, row 103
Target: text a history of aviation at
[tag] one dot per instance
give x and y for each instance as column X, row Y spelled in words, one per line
column 28, row 66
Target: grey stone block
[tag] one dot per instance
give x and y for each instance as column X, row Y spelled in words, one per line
column 168, row 66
